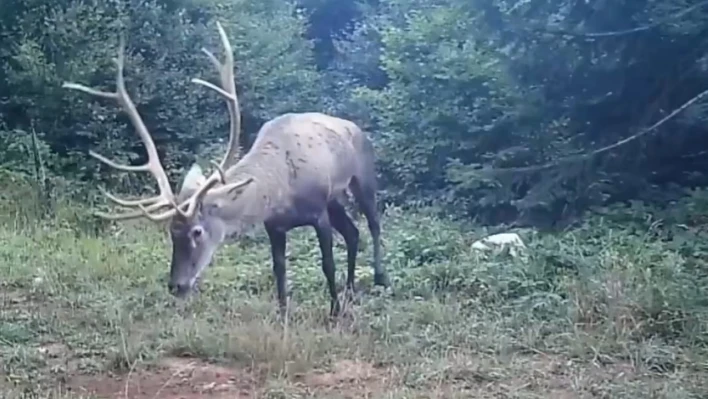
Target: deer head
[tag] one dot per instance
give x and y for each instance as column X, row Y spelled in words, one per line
column 194, row 232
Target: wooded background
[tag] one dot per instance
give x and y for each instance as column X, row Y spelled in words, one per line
column 457, row 94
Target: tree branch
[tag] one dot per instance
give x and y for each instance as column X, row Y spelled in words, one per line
column 596, row 35
column 603, row 149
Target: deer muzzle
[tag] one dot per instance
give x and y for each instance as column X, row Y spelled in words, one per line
column 179, row 290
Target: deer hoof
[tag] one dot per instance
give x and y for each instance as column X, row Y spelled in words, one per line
column 381, row 279
column 335, row 309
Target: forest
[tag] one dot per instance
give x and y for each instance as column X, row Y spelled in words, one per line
column 578, row 125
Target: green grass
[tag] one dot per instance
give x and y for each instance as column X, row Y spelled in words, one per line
column 596, row 312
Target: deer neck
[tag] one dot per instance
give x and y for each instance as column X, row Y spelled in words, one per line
column 242, row 212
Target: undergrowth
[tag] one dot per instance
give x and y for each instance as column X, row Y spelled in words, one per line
column 610, row 308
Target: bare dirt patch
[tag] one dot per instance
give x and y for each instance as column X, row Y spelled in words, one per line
column 175, row 378
column 348, row 379
column 187, row 378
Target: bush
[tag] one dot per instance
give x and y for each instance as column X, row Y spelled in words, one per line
column 77, row 41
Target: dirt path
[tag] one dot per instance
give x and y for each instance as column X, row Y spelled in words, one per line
column 456, row 375
column 185, row 378
column 172, row 378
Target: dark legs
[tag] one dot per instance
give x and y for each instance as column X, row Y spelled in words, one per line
column 323, row 228
column 345, row 226
column 366, row 198
column 324, row 235
column 277, row 248
column 335, row 218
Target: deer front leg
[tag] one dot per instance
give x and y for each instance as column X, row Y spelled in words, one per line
column 324, row 236
column 277, row 249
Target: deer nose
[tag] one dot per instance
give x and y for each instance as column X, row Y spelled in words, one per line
column 177, row 289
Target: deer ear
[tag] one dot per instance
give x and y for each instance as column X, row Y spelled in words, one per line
column 232, row 191
column 236, row 189
column 193, row 180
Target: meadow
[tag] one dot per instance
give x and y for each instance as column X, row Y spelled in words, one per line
column 612, row 308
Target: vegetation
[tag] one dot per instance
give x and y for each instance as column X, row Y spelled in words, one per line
column 608, row 309
column 488, row 116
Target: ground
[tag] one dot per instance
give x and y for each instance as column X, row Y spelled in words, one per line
column 86, row 316
column 521, row 375
column 194, row 378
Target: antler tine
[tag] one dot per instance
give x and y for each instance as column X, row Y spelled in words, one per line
column 197, row 197
column 153, row 165
column 228, row 91
column 219, row 169
column 129, row 203
column 142, row 211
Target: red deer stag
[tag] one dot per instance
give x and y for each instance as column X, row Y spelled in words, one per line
column 297, row 167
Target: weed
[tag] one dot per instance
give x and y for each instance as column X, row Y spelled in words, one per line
column 596, row 311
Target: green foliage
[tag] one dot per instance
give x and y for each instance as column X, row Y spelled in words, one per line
column 451, row 91
column 622, row 295
column 78, row 40
column 447, row 88
column 414, row 72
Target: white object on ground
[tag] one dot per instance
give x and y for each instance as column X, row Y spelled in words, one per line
column 500, row 241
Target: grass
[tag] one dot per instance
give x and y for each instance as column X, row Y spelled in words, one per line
column 600, row 311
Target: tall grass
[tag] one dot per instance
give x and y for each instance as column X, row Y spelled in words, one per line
column 598, row 310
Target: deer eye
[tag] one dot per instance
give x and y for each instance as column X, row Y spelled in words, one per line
column 197, row 232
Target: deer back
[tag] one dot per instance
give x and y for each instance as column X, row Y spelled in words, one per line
column 309, row 152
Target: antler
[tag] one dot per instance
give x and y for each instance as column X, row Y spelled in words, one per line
column 228, row 91
column 166, row 198
column 153, row 165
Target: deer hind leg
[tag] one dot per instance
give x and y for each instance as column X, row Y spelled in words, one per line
column 345, row 226
column 364, row 191
column 323, row 228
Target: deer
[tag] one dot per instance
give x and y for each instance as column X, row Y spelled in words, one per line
column 294, row 175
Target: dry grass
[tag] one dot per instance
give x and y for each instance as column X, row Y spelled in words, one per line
column 617, row 316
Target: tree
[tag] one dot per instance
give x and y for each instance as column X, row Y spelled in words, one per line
column 76, row 40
